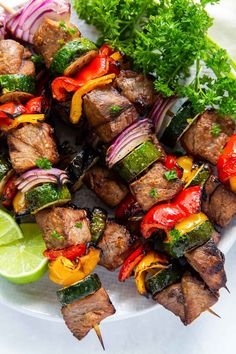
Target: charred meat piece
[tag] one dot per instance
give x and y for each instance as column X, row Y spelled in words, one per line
column 173, row 300
column 200, row 141
column 116, row 245
column 82, row 315
column 29, row 143
column 197, row 297
column 15, row 59
column 63, row 227
column 108, row 112
column 51, row 36
column 137, row 88
column 219, row 203
column 208, row 261
column 154, row 188
column 104, row 184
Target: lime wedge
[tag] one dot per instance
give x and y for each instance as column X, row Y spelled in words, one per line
column 22, row 261
column 9, row 229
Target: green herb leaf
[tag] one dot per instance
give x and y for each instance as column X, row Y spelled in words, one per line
column 171, row 175
column 56, row 235
column 175, row 234
column 44, row 163
column 67, row 29
column 153, row 193
column 79, row 225
column 215, row 130
column 115, row 109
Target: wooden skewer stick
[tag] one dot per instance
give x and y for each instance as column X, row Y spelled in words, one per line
column 7, row 8
column 227, row 289
column 213, row 313
column 99, row 335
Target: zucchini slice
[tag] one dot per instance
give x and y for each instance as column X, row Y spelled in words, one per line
column 70, row 52
column 17, row 82
column 138, row 161
column 163, row 278
column 200, row 177
column 188, row 234
column 80, row 164
column 98, row 224
column 178, row 125
column 77, row 291
column 46, row 195
column 5, row 167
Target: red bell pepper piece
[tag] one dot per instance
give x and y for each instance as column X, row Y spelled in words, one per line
column 165, row 216
column 9, row 191
column 128, row 207
column 171, row 164
column 226, row 165
column 70, row 253
column 131, row 262
column 62, row 85
column 9, row 111
column 106, row 50
column 37, row 105
column 230, row 147
column 189, row 200
column 98, row 67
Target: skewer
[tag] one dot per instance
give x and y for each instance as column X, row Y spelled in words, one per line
column 99, row 335
column 227, row 289
column 7, row 8
column 213, row 313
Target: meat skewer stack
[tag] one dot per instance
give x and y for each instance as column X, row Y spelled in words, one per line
column 175, row 203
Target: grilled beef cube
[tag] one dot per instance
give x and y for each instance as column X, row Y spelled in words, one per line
column 104, row 184
column 219, row 203
column 29, row 143
column 137, row 88
column 173, row 300
column 108, row 112
column 116, row 245
column 63, row 227
column 51, row 36
column 197, row 297
column 82, row 315
column 208, row 261
column 154, row 188
column 199, row 139
column 15, row 59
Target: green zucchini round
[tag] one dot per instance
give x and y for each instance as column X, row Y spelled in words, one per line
column 182, row 120
column 46, row 195
column 177, row 246
column 98, row 224
column 162, row 279
column 138, row 161
column 69, row 53
column 201, row 176
column 17, row 82
column 77, row 291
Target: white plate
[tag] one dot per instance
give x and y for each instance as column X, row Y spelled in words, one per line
column 39, row 299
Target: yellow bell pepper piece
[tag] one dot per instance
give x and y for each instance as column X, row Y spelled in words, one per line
column 64, row 272
column 24, row 118
column 186, row 163
column 190, row 223
column 76, row 103
column 116, row 56
column 19, row 203
column 152, row 261
column 232, row 182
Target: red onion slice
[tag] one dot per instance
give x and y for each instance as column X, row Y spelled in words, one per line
column 133, row 136
column 27, row 20
column 159, row 111
column 3, row 18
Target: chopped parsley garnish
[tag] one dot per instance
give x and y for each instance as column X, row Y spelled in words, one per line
column 61, row 41
column 215, row 130
column 69, row 30
column 175, row 234
column 170, row 175
column 79, row 225
column 44, row 163
column 153, row 193
column 116, row 109
column 56, row 235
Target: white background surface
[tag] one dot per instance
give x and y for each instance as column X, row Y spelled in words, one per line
column 157, row 332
